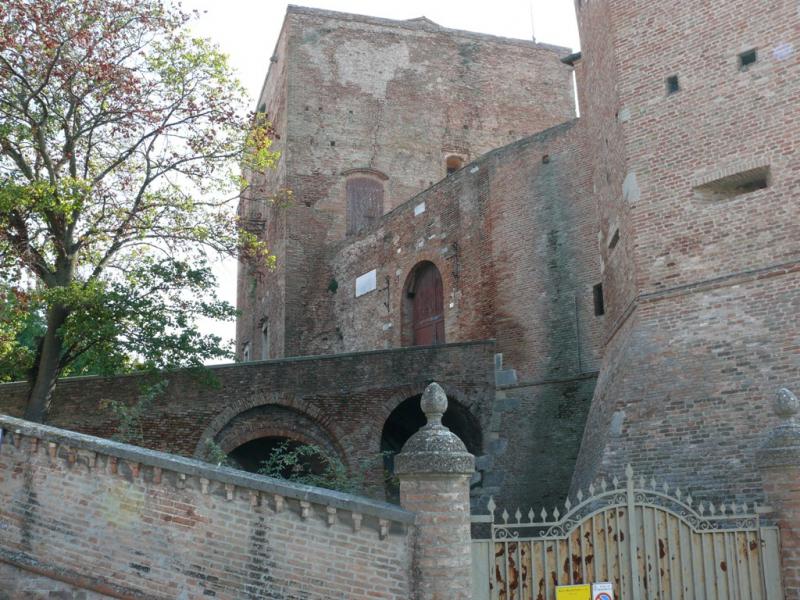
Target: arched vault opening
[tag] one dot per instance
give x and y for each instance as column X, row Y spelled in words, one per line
column 405, row 420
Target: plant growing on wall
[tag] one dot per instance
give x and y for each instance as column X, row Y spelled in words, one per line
column 121, row 138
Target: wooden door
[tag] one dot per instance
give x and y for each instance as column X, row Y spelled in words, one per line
column 428, row 307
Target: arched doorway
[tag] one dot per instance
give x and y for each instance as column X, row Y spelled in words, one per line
column 423, row 303
column 405, row 420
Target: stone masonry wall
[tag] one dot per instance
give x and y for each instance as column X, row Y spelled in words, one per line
column 117, row 521
column 337, row 402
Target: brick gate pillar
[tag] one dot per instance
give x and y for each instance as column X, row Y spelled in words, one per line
column 434, row 469
column 779, row 462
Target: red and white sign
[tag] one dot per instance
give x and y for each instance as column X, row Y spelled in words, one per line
column 602, row 591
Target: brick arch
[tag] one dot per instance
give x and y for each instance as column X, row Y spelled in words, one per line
column 274, row 420
column 324, row 431
column 453, row 394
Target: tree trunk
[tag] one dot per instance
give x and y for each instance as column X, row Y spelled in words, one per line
column 47, row 367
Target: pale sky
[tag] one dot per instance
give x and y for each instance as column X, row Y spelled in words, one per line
column 247, row 30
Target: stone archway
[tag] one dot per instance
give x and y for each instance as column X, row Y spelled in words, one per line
column 250, row 436
column 407, row 418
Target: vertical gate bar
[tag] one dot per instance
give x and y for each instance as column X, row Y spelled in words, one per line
column 707, row 577
column 741, row 565
column 753, row 586
column 733, row 566
column 545, row 574
column 632, row 536
column 558, row 563
column 646, row 545
column 670, row 551
column 609, row 570
column 714, row 565
column 693, row 580
column 519, row 570
column 761, row 567
column 656, row 554
column 569, row 558
column 583, row 552
column 594, row 548
column 492, row 563
column 533, row 568
column 619, row 553
column 505, row 556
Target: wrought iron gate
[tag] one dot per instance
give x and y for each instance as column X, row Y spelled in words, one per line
column 649, row 542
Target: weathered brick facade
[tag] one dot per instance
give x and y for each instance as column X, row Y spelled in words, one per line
column 678, row 189
column 702, row 291
column 80, row 513
column 385, row 100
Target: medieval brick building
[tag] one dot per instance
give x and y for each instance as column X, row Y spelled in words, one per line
column 616, row 288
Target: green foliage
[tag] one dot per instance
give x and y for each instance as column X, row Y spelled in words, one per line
column 215, row 455
column 21, row 325
column 311, row 465
column 130, row 429
column 122, row 137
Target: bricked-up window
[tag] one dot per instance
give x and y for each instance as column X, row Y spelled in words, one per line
column 672, row 84
column 454, row 163
column 364, row 203
column 734, row 185
column 599, row 303
column 747, row 58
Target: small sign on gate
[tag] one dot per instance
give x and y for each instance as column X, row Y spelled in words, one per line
column 574, row 592
column 602, row 591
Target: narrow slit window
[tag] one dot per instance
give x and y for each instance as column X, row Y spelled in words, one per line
column 734, row 185
column 599, row 304
column 614, row 240
column 265, row 340
column 673, row 86
column 747, row 58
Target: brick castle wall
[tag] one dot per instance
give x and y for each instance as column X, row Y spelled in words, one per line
column 702, row 293
column 81, row 513
column 394, row 99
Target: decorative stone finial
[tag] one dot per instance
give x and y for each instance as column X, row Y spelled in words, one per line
column 434, row 448
column 434, row 403
column 786, row 404
column 781, row 446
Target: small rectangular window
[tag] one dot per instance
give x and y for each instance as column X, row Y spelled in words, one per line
column 366, row 283
column 599, row 304
column 747, row 58
column 265, row 340
column 614, row 240
column 734, row 185
column 672, row 84
column 246, row 352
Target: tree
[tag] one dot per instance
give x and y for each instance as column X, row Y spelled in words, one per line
column 121, row 136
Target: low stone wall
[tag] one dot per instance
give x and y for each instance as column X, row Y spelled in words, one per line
column 83, row 513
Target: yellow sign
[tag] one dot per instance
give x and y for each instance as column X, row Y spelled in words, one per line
column 574, row 592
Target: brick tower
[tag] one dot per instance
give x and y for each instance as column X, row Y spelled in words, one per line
column 692, row 118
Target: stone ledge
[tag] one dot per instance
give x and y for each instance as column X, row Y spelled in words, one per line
column 188, row 466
